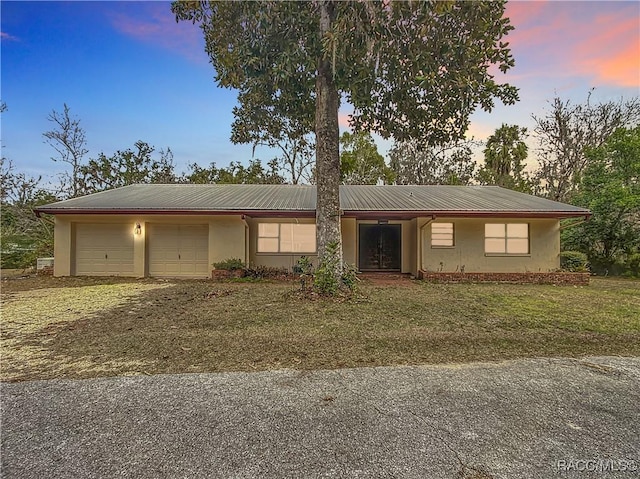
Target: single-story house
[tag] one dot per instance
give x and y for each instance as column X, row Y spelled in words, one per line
column 181, row 230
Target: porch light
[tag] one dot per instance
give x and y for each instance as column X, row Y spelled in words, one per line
column 138, row 229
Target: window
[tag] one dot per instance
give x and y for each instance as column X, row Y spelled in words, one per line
column 286, row 238
column 441, row 235
column 509, row 238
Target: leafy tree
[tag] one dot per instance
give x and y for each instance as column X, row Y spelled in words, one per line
column 260, row 123
column 451, row 164
column 360, row 162
column 126, row 168
column 610, row 188
column 409, row 69
column 236, row 173
column 68, row 139
column 566, row 131
column 24, row 237
column 504, row 159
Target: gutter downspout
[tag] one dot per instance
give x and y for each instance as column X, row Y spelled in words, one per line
column 421, row 247
column 246, row 240
column 576, row 223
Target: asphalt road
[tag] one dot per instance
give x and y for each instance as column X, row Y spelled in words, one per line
column 542, row 418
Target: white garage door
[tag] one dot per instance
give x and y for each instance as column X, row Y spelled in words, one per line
column 179, row 250
column 104, row 249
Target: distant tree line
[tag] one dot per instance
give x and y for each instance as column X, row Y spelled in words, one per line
column 587, row 155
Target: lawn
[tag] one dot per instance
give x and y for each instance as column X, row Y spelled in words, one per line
column 89, row 327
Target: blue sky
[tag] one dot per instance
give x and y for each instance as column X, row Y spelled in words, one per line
column 129, row 72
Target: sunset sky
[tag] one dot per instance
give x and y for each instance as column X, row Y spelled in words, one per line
column 129, row 72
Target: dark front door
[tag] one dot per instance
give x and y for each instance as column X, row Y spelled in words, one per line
column 380, row 247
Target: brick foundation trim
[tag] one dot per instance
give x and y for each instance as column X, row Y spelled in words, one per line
column 218, row 274
column 559, row 278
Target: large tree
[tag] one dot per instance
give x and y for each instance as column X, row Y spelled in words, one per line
column 610, row 188
column 450, row 164
column 127, row 167
column 235, row 173
column 69, row 141
column 567, row 130
column 261, row 123
column 409, row 69
column 23, row 235
column 504, row 159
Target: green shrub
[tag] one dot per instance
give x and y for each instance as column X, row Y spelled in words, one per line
column 574, row 261
column 304, row 269
column 19, row 251
column 349, row 276
column 633, row 264
column 326, row 282
column 303, row 266
column 229, row 264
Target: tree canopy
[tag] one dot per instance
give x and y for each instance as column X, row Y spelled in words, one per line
column 411, row 70
column 567, row 130
column 504, row 159
column 127, row 167
column 236, row 173
column 360, row 162
column 450, row 164
column 610, row 188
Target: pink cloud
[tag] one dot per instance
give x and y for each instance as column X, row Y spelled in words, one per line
column 622, row 68
column 612, row 54
column 343, row 119
column 596, row 41
column 479, row 130
column 155, row 24
column 519, row 12
column 7, row 37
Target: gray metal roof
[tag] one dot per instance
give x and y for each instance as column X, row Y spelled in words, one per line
column 302, row 198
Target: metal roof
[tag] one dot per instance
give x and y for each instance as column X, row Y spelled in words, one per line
column 301, row 199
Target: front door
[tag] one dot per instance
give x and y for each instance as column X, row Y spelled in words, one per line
column 380, row 247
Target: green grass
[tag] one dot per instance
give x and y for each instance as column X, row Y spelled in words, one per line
column 74, row 327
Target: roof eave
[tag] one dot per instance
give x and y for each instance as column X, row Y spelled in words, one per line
column 466, row 214
column 192, row 212
column 368, row 214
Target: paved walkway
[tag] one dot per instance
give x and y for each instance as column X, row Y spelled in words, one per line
column 517, row 419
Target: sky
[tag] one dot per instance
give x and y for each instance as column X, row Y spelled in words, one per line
column 129, row 72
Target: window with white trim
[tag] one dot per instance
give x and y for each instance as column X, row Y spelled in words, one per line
column 506, row 238
column 441, row 235
column 286, row 238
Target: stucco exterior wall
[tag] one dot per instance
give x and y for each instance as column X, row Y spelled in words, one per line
column 234, row 237
column 62, row 246
column 468, row 250
column 226, row 237
column 349, row 240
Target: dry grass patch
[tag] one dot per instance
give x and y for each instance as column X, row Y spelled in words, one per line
column 40, row 313
column 148, row 327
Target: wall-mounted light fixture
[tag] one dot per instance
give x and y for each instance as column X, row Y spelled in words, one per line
column 138, row 229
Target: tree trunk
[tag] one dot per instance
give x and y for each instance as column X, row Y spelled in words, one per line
column 327, row 155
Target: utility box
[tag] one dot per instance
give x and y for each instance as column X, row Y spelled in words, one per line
column 43, row 263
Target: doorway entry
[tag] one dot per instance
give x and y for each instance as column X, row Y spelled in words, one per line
column 379, row 247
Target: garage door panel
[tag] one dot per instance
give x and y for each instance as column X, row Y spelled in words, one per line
column 178, row 250
column 104, row 249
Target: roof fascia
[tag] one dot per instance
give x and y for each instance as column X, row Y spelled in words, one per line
column 311, row 213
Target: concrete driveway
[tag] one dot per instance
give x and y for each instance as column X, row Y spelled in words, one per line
column 540, row 418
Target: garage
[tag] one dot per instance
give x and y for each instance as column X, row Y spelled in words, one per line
column 178, row 250
column 104, row 249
